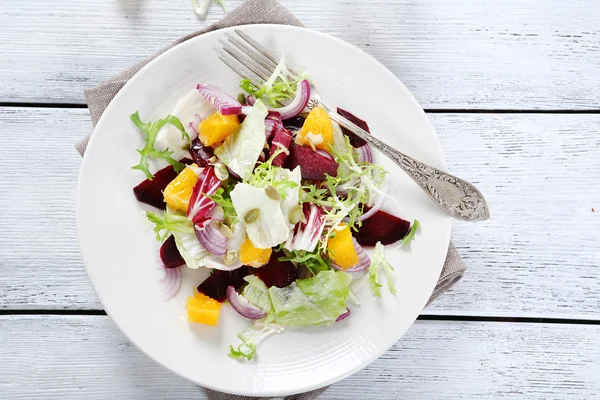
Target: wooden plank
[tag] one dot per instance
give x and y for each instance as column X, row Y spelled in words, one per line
column 536, row 257
column 473, row 54
column 86, row 357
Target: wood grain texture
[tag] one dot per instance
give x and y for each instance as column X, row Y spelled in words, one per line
column 474, row 54
column 86, row 357
column 537, row 257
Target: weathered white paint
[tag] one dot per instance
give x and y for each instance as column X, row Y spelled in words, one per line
column 86, row 357
column 538, row 255
column 477, row 54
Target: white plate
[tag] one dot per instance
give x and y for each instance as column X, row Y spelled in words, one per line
column 121, row 255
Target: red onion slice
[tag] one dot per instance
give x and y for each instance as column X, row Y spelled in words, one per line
column 378, row 204
column 365, row 154
column 298, row 104
column 250, row 100
column 223, row 102
column 211, row 237
column 243, row 306
column 343, row 316
column 269, row 127
column 169, row 282
column 364, row 261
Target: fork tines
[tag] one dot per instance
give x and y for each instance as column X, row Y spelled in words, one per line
column 249, row 58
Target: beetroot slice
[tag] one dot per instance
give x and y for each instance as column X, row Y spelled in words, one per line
column 215, row 286
column 169, row 254
column 151, row 191
column 201, row 153
column 277, row 273
column 355, row 141
column 313, row 165
column 381, row 227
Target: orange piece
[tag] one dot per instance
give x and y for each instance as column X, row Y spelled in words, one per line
column 177, row 194
column 250, row 255
column 215, row 128
column 341, row 248
column 202, row 309
column 317, row 131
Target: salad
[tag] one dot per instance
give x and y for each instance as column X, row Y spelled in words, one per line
column 277, row 203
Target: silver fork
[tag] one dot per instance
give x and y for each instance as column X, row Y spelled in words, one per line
column 457, row 197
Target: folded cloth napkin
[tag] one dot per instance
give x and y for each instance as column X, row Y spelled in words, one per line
column 250, row 12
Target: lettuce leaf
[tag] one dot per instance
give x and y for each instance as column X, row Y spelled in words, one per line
column 410, row 236
column 379, row 262
column 169, row 223
column 313, row 301
column 150, row 130
column 257, row 293
column 270, row 228
column 252, row 337
column 241, row 149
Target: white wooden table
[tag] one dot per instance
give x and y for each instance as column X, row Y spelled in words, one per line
column 512, row 87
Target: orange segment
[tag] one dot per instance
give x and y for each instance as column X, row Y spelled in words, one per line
column 341, row 248
column 177, row 194
column 317, row 130
column 250, row 255
column 202, row 309
column 215, row 128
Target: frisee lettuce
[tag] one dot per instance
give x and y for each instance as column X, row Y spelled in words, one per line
column 361, row 182
column 379, row 262
column 280, row 88
column 168, row 224
column 223, row 198
column 314, row 261
column 410, row 236
column 266, row 174
column 150, row 130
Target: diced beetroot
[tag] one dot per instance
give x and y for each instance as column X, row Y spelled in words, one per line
column 293, row 124
column 215, row 286
column 277, row 273
column 282, row 139
column 170, row 255
column 313, row 165
column 151, row 191
column 381, row 227
column 355, row 141
column 201, row 153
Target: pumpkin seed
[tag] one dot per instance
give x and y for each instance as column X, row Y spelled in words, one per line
column 296, row 214
column 225, row 230
column 221, row 172
column 230, row 257
column 252, row 215
column 272, row 193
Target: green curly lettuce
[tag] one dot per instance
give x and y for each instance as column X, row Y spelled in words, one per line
column 378, row 263
column 150, row 130
column 168, row 224
column 410, row 236
column 281, row 87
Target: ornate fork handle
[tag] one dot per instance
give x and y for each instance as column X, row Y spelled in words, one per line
column 457, row 197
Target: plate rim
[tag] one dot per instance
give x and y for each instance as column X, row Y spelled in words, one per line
column 102, row 121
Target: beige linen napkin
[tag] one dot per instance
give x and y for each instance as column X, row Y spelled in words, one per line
column 251, row 12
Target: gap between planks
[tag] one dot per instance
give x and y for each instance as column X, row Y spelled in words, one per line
column 457, row 318
column 427, row 110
